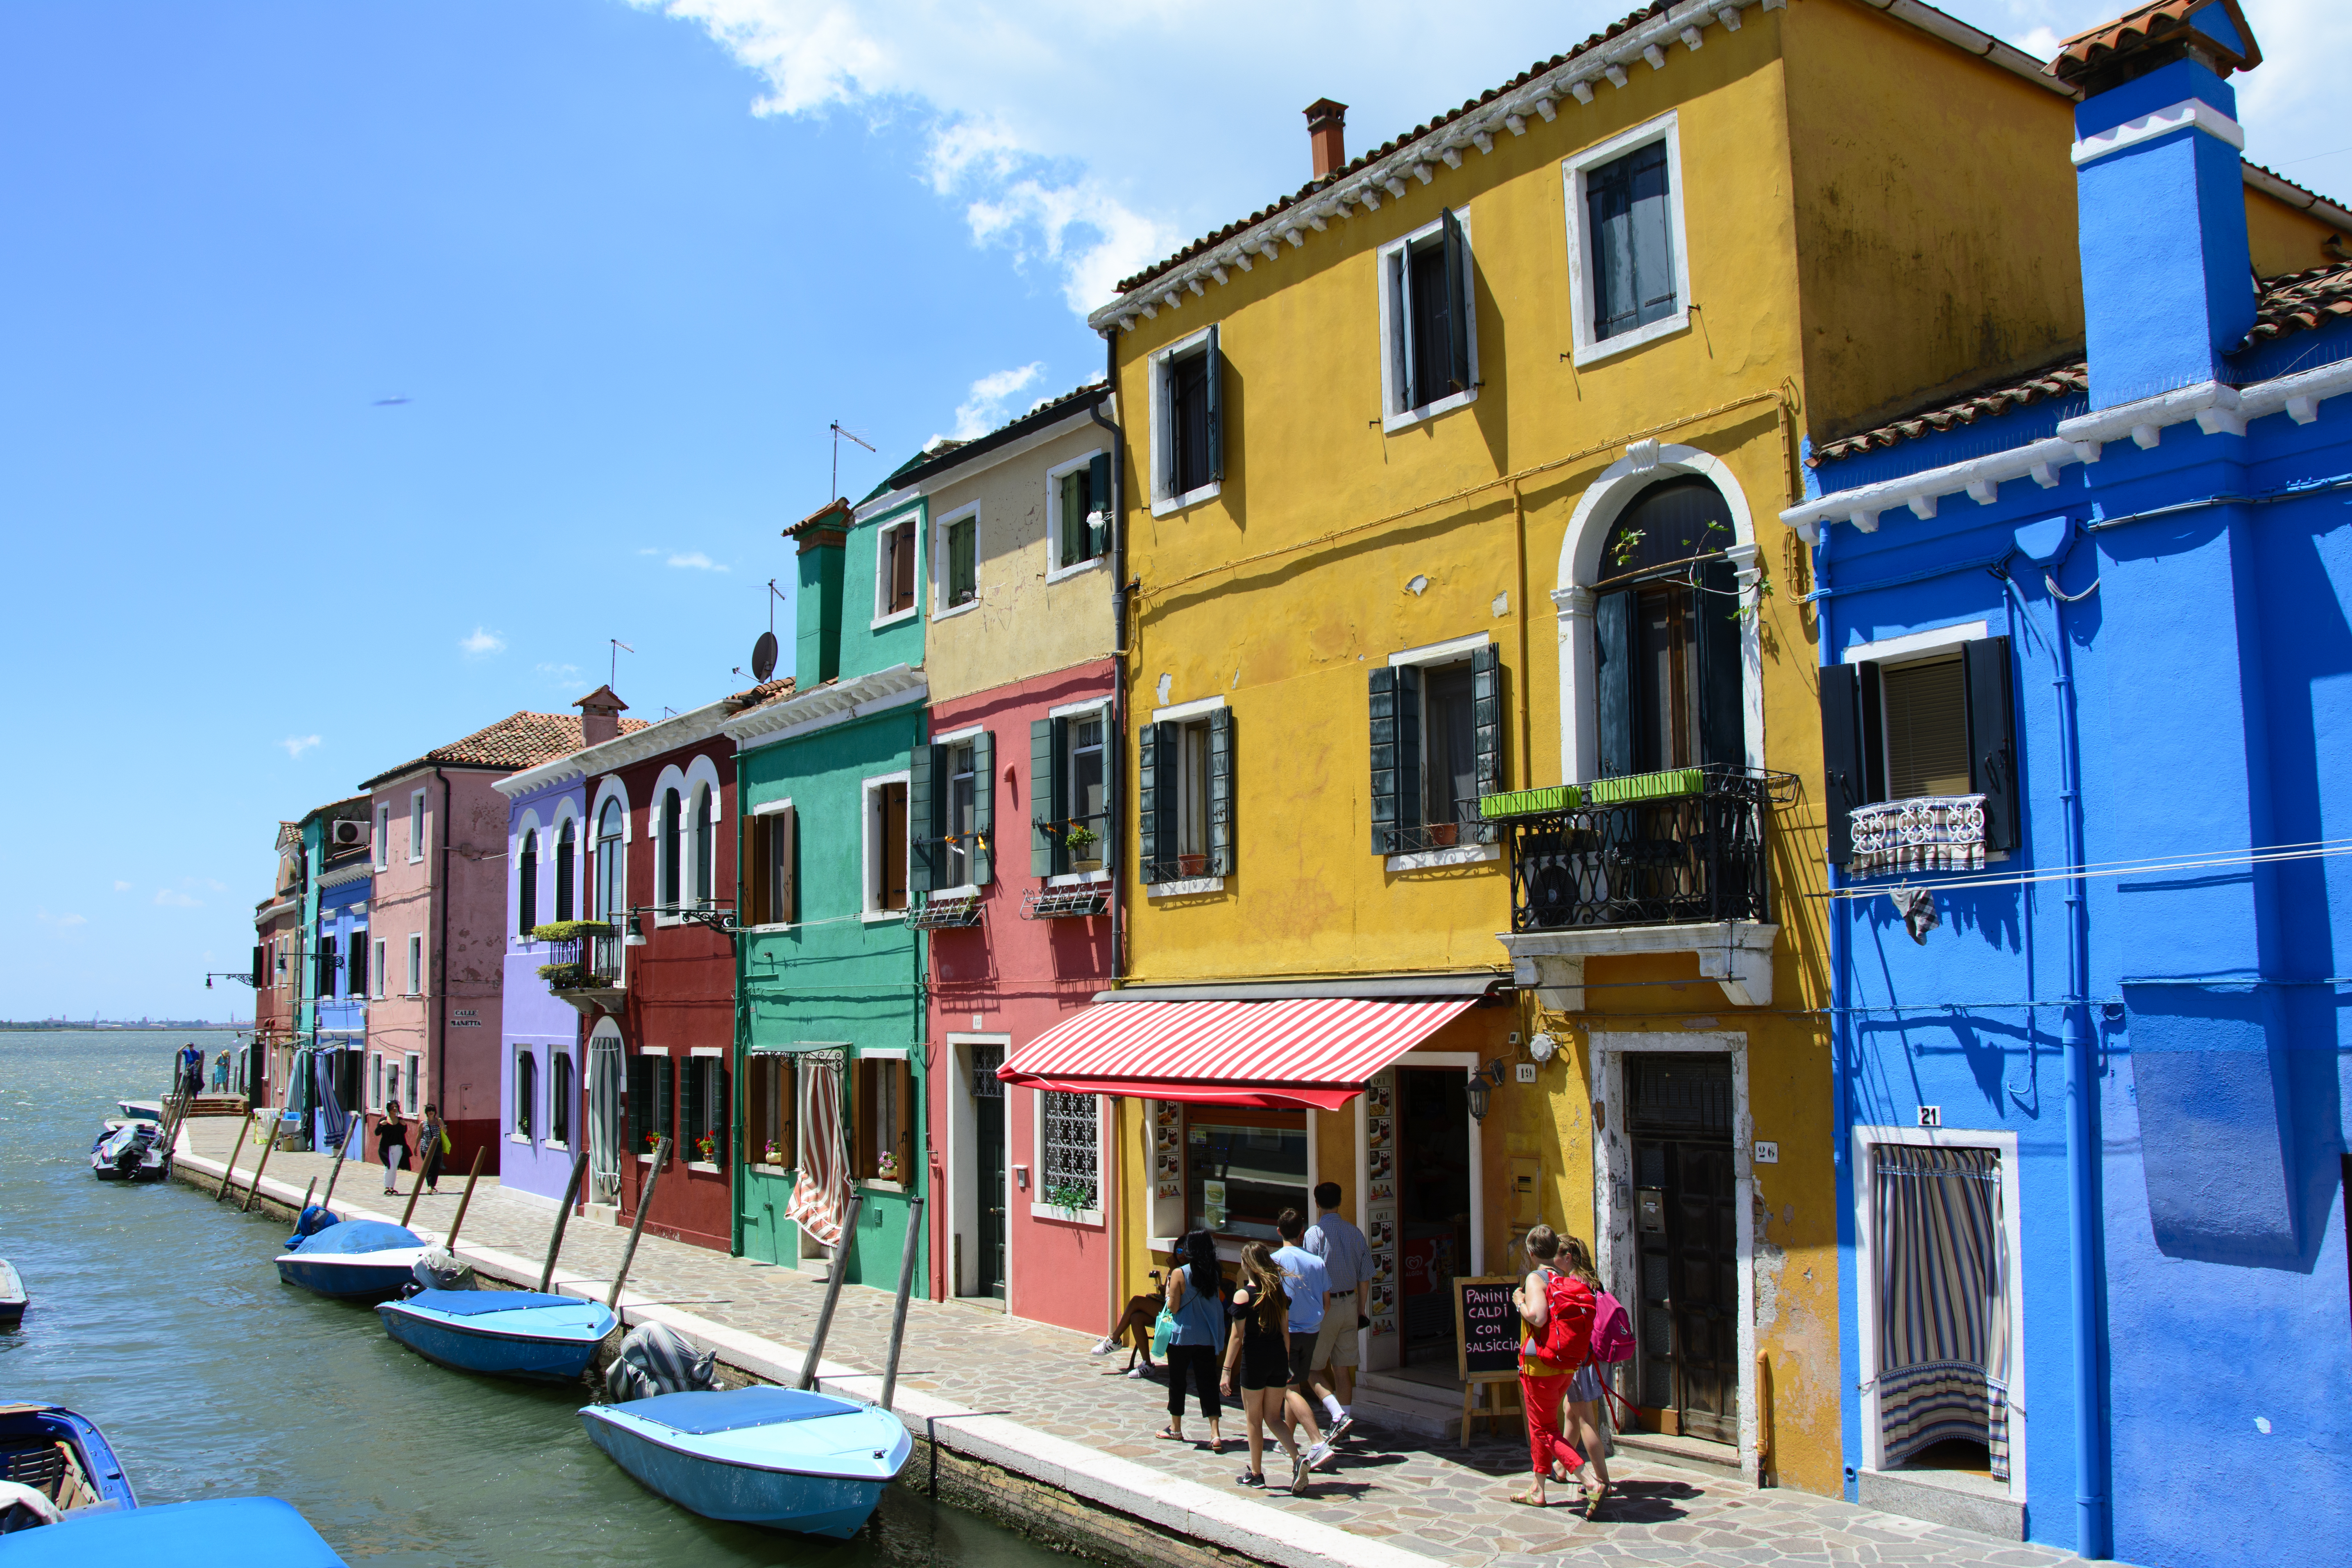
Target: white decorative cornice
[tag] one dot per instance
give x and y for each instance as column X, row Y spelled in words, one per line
column 2189, row 114
column 683, row 730
column 2215, row 409
column 831, row 704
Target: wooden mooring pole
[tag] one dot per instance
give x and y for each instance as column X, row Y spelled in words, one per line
column 898, row 1307
column 335, row 1172
column 231, row 1170
column 637, row 1227
column 449, row 1242
column 563, row 1218
column 832, row 1290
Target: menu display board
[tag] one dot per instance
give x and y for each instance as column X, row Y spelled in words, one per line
column 1379, row 1201
column 1168, row 1149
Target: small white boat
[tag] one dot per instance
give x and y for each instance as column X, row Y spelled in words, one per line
column 130, row 1149
column 507, row 1333
column 781, row 1457
column 359, row 1258
column 13, row 1299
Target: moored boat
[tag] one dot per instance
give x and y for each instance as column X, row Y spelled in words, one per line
column 130, row 1149
column 359, row 1258
column 782, row 1458
column 505, row 1333
column 13, row 1299
column 61, row 1457
column 218, row 1532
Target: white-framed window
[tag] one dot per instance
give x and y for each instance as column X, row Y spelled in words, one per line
column 669, row 853
column 1429, row 337
column 392, row 1086
column 416, row 825
column 883, row 832
column 377, row 971
column 525, row 1092
column 771, row 864
column 702, row 1106
column 526, row 901
column 382, row 857
column 1069, row 1157
column 1918, row 735
column 897, row 568
column 1430, row 756
column 955, row 560
column 1188, row 422
column 1628, row 261
column 415, row 1070
column 567, row 868
column 415, row 964
column 375, row 1078
column 1185, row 797
column 703, row 845
column 958, row 781
column 1078, row 515
column 559, row 1092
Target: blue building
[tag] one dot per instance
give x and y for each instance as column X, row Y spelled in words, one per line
column 2087, row 698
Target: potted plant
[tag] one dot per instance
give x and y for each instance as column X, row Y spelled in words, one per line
column 886, row 1167
column 563, row 976
column 1068, row 1197
column 1443, row 835
column 653, row 1142
column 774, row 1154
column 707, row 1147
column 1081, row 841
column 1192, row 865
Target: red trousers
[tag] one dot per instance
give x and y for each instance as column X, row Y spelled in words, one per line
column 1541, row 1397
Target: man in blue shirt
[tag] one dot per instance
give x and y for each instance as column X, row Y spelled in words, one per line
column 1347, row 1258
column 1309, row 1284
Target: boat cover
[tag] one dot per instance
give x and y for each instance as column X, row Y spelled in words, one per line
column 356, row 1235
column 656, row 1359
column 217, row 1532
column 474, row 1303
column 701, row 1414
column 314, row 1220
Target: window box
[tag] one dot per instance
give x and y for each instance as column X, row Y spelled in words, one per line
column 1673, row 858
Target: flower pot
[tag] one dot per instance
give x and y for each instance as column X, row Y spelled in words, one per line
column 1192, row 865
column 1085, row 862
column 1441, row 835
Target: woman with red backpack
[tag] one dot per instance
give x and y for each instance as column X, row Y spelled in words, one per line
column 1612, row 1341
column 1558, row 1309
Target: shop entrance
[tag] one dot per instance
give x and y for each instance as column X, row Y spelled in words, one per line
column 1432, row 1125
column 987, row 1174
column 1686, row 1237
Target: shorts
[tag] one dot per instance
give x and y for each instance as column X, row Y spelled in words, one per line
column 1335, row 1342
column 1585, row 1386
column 1302, row 1356
column 1263, row 1365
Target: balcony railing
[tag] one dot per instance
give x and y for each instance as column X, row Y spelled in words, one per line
column 589, row 963
column 1669, row 848
column 1069, row 857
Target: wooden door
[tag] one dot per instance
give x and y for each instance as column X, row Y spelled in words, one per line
column 1685, row 1228
column 988, row 1168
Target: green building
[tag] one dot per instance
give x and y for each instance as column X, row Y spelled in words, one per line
column 831, row 1056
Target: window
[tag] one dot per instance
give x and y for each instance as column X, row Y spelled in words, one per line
column 959, row 563
column 357, row 982
column 1629, row 279
column 417, row 824
column 886, row 845
column 415, row 1073
column 526, row 1088
column 383, row 834
column 1436, row 746
column 1087, row 776
column 649, row 1103
column 1188, row 444
column 705, row 868
column 894, row 573
column 1430, row 351
column 375, row 1078
column 1243, row 1168
column 392, row 1086
column 703, row 1107
column 559, row 1097
column 885, row 1112
column 951, row 794
column 1070, row 762
column 1069, row 1147
column 769, row 1138
column 1077, row 500
column 1185, row 800
column 1667, row 632
column 378, row 969
column 612, row 897
column 527, row 884
column 771, row 844
column 1924, row 730
column 415, row 964
column 672, row 825
column 323, row 981
column 566, row 870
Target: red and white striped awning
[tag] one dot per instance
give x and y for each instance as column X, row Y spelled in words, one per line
column 1301, row 1051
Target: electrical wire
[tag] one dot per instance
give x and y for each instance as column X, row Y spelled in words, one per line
column 2317, row 850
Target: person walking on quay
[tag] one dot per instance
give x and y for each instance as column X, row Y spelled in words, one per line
column 391, row 1144
column 1558, row 1310
column 1196, row 1300
column 1259, row 1355
column 220, row 1071
column 1580, row 1422
column 191, row 1069
column 1347, row 1258
column 432, row 1143
column 1310, row 1287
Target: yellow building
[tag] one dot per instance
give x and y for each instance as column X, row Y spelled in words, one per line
column 1454, row 475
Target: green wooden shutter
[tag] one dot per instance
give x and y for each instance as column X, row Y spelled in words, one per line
column 641, row 1103
column 722, row 1113
column 1041, row 797
column 1612, row 696
column 1841, row 778
column 1722, row 706
column 1220, row 794
column 1098, row 504
column 1395, row 755
column 1071, row 498
column 1487, row 726
column 1151, row 790
column 922, row 820
column 1992, row 748
column 1217, row 395
column 665, row 1115
column 692, row 1108
column 1457, row 301
column 983, row 807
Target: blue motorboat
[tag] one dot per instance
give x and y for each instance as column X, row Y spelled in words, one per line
column 507, row 1333
column 358, row 1258
column 219, row 1532
column 63, row 1457
column 781, row 1457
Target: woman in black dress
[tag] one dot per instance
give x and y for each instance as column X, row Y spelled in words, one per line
column 1260, row 1354
column 391, row 1143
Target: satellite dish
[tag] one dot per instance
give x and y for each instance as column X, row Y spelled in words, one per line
column 763, row 657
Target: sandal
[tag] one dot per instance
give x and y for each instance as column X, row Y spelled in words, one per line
column 1592, row 1501
column 1529, row 1499
column 1169, row 1435
column 1216, row 1445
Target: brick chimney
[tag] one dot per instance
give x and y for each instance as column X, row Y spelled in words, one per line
column 1327, row 133
column 600, row 716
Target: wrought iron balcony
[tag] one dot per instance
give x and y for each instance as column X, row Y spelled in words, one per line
column 589, row 962
column 1669, row 848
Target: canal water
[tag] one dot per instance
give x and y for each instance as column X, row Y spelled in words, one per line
column 156, row 1313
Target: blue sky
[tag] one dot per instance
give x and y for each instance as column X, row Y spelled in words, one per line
column 369, row 367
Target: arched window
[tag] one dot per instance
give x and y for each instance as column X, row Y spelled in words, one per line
column 1666, row 629
column 670, row 834
column 612, row 900
column 527, row 884
column 706, row 882
column 566, row 870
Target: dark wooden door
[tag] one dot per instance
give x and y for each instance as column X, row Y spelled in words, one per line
column 1686, row 1226
column 988, row 1168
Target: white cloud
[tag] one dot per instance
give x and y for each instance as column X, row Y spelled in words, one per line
column 172, row 897
column 296, row 745
column 566, row 678
column 984, row 410
column 481, row 643
column 122, row 887
column 50, row 920
column 694, row 560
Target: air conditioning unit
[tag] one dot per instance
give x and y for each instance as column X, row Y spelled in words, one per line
column 345, row 834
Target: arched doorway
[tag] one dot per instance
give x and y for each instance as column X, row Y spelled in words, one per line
column 608, row 1107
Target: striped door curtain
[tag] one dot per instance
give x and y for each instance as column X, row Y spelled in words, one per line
column 821, row 1196
column 1943, row 1312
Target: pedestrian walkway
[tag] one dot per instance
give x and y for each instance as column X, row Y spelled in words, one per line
column 1032, row 1399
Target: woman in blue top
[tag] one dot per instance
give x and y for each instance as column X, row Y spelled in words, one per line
column 1196, row 1300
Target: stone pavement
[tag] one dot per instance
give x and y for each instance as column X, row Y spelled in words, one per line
column 1444, row 1505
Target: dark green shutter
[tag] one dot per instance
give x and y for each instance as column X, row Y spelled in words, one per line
column 1098, row 504
column 641, row 1103
column 1612, row 698
column 1457, row 308
column 261, row 966
column 1070, row 495
column 665, row 1117
column 1486, row 725
column 1215, row 371
column 693, row 1107
column 1993, row 747
column 721, row 1123
column 1152, row 787
column 1220, row 794
column 1722, row 706
column 922, row 820
column 1395, row 755
column 1041, row 797
column 1842, row 779
column 983, row 807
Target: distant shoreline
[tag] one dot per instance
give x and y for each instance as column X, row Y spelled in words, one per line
column 181, row 1027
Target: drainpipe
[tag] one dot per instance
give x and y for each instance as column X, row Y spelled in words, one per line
column 740, row 1055
column 1841, row 987
column 1112, row 1206
column 439, row 1002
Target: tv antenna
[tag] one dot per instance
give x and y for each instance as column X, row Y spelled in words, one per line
column 619, row 647
column 839, row 433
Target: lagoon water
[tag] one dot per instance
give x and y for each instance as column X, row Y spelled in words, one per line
column 156, row 1313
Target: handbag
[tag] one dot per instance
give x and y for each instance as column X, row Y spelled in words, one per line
column 1163, row 1333
column 444, row 1140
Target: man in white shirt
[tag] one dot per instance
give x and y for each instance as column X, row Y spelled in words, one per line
column 1348, row 1261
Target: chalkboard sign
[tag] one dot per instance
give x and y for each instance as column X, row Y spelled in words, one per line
column 1487, row 1327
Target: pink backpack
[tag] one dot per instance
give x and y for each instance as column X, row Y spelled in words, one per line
column 1612, row 1330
